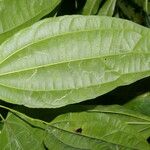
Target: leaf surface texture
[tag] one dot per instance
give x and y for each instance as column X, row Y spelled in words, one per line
column 65, row 60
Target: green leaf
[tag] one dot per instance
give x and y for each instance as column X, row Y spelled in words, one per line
column 140, row 104
column 21, row 132
column 136, row 120
column 91, row 7
column 100, row 128
column 17, row 14
column 66, row 60
column 21, row 135
column 97, row 128
column 108, row 8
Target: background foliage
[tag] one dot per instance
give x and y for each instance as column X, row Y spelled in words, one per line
column 119, row 119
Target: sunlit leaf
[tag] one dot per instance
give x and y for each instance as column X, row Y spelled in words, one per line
column 66, row 60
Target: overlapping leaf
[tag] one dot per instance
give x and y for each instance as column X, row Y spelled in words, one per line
column 19, row 134
column 97, row 128
column 17, row 14
column 70, row 59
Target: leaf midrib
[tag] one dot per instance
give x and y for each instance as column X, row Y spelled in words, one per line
column 66, row 143
column 75, row 60
column 68, row 89
column 94, row 138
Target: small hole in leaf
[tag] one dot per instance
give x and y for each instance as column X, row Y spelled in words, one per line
column 148, row 139
column 79, row 130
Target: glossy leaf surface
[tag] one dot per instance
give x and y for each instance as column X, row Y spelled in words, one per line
column 70, row 59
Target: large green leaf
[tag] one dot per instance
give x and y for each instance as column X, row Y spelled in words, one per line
column 97, row 128
column 108, row 8
column 70, row 59
column 140, row 103
column 17, row 14
column 91, row 7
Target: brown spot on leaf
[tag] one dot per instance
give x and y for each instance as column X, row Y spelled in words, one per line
column 79, row 130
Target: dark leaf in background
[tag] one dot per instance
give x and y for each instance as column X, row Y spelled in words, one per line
column 132, row 13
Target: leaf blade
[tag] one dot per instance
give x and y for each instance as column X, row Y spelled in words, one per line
column 92, row 125
column 96, row 128
column 86, row 63
column 18, row 134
